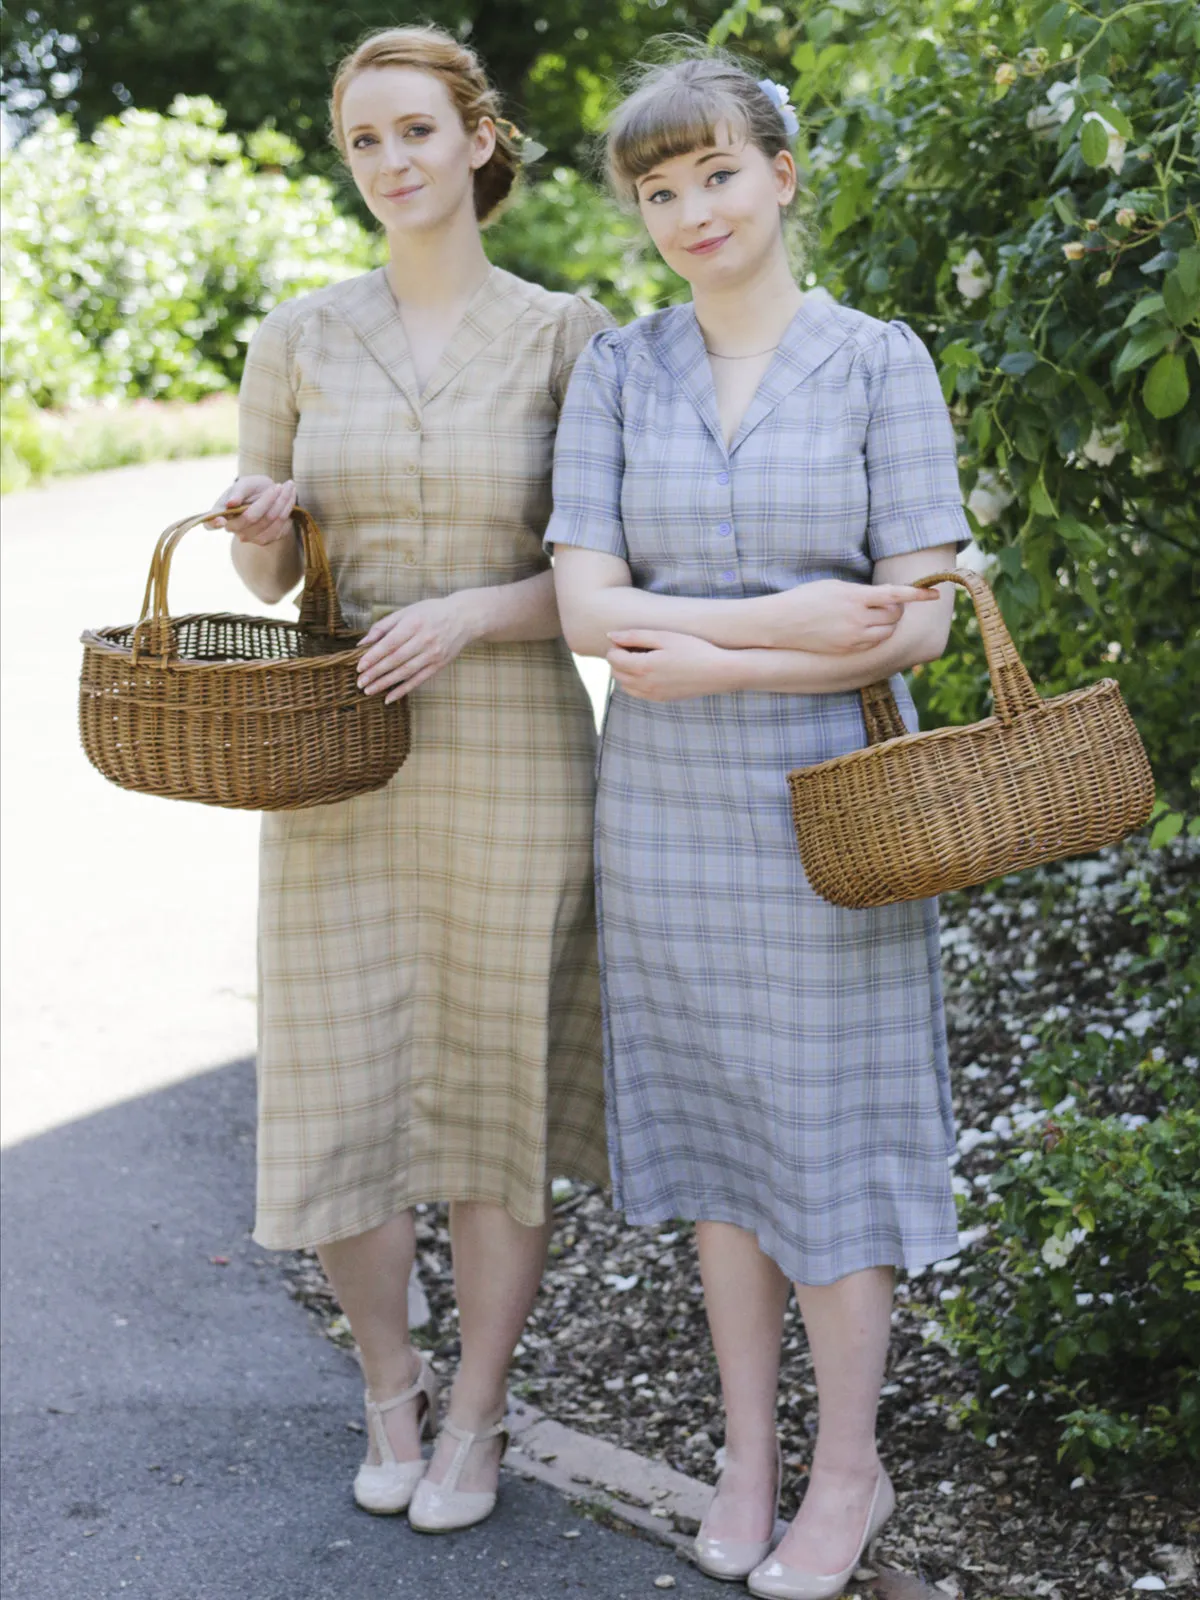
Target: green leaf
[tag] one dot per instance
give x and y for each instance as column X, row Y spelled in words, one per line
column 1114, row 115
column 1142, row 346
column 1067, row 214
column 1189, row 269
column 1167, row 828
column 1065, row 1351
column 1182, row 305
column 1145, row 307
column 1166, row 389
column 1018, row 362
column 1040, row 501
column 1094, row 143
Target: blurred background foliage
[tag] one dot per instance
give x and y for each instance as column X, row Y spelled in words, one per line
column 1017, row 179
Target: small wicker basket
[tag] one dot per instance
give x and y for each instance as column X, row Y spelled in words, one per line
column 916, row 814
column 248, row 712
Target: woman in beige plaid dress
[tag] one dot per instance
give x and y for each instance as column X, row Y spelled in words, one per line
column 429, row 1003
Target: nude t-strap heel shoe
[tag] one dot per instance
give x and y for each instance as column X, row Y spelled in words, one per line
column 442, row 1507
column 774, row 1581
column 387, row 1487
column 733, row 1559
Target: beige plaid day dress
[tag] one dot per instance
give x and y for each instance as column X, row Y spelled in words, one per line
column 429, row 1012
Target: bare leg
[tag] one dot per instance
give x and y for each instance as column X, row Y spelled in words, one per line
column 369, row 1274
column 848, row 1324
column 498, row 1265
column 745, row 1295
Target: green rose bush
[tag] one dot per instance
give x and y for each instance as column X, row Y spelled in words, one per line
column 1020, row 183
column 138, row 264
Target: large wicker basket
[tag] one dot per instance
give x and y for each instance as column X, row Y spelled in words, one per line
column 249, row 712
column 916, row 814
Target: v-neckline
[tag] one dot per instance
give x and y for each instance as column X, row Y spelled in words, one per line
column 372, row 311
column 446, row 355
column 812, row 335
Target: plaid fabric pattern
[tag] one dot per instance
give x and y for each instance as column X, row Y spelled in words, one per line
column 773, row 1061
column 429, row 1016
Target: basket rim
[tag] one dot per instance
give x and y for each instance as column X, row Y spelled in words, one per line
column 99, row 640
column 1102, row 686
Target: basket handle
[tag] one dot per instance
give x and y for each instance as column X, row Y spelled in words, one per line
column 1012, row 687
column 318, row 603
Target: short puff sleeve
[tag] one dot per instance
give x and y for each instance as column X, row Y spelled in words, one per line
column 589, row 454
column 912, row 469
column 267, row 410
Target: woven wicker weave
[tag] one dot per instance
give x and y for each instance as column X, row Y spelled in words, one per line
column 917, row 814
column 247, row 712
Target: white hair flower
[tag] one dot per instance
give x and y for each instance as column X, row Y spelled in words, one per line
column 972, row 276
column 778, row 93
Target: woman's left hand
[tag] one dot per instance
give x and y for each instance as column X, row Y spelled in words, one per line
column 655, row 665
column 408, row 647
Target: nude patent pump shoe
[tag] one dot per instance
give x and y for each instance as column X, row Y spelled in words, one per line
column 442, row 1507
column 773, row 1581
column 386, row 1487
column 733, row 1559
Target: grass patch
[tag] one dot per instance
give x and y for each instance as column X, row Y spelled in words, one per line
column 36, row 445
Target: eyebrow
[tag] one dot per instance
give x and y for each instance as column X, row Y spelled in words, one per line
column 713, row 155
column 411, row 116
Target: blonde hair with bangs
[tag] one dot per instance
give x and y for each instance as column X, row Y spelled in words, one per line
column 677, row 107
column 433, row 50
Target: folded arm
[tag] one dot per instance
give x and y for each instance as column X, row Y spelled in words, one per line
column 597, row 598
column 667, row 665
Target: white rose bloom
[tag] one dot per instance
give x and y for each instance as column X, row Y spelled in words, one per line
column 1056, row 1252
column 988, row 499
column 1114, row 156
column 1062, row 101
column 1104, row 445
column 972, row 276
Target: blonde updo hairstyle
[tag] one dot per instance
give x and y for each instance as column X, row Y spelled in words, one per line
column 432, row 50
column 677, row 106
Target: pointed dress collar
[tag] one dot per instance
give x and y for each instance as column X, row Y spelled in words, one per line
column 808, row 341
column 369, row 307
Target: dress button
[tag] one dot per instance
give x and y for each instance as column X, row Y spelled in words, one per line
column 411, row 467
column 410, row 558
column 414, row 424
column 725, row 528
column 413, row 514
column 729, row 577
column 722, row 477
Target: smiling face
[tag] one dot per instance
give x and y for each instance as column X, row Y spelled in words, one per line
column 410, row 156
column 714, row 213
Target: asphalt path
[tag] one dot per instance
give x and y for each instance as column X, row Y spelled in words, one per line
column 176, row 1428
column 173, row 1426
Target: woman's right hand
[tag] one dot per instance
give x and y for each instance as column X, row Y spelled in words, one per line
column 833, row 618
column 267, row 517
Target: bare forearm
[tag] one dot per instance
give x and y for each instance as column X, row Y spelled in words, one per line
column 511, row 613
column 731, row 624
column 269, row 571
column 918, row 637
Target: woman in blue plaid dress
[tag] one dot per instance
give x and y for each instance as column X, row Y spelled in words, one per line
column 744, row 489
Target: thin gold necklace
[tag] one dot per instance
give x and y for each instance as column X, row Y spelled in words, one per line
column 750, row 356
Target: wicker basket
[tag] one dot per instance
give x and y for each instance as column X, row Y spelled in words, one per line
column 915, row 814
column 248, row 712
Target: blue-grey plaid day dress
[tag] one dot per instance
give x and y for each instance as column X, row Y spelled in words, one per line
column 772, row 1061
